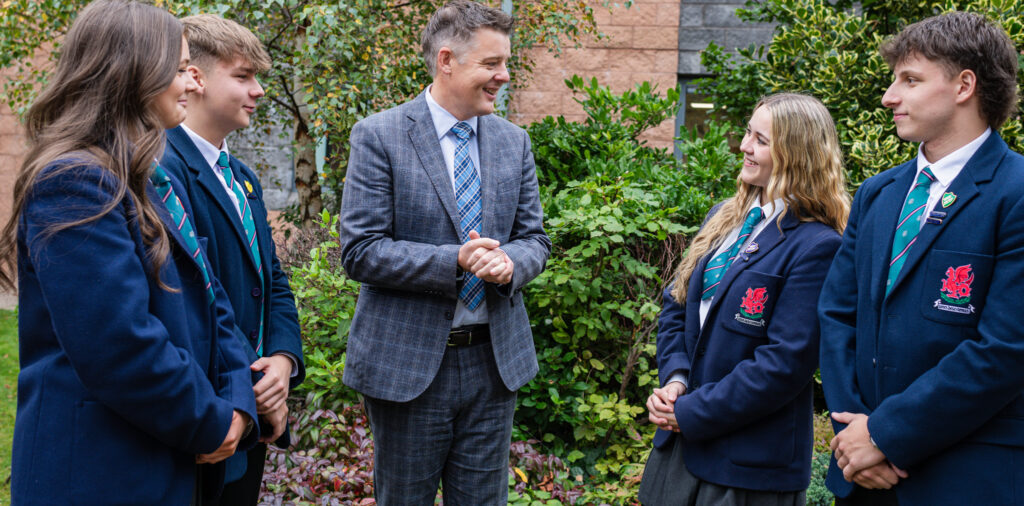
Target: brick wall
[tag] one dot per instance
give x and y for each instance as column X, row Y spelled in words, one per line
column 642, row 45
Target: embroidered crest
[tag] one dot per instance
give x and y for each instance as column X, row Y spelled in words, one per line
column 948, row 198
column 248, row 186
column 956, row 290
column 752, row 307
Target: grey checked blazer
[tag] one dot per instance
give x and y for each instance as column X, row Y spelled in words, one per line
column 399, row 239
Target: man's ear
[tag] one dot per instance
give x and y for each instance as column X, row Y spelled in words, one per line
column 445, row 56
column 967, row 86
column 199, row 77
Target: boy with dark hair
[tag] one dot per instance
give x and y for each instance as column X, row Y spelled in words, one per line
column 230, row 214
column 922, row 346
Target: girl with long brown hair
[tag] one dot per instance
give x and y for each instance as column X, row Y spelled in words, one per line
column 738, row 331
column 130, row 374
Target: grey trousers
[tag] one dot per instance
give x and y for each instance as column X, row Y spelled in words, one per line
column 667, row 482
column 457, row 433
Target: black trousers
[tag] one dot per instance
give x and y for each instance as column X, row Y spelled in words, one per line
column 246, row 490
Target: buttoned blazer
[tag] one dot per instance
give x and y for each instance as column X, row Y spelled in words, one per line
column 746, row 414
column 933, row 374
column 216, row 218
column 399, row 236
column 122, row 382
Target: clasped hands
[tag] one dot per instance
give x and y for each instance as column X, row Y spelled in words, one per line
column 271, row 392
column 661, row 406
column 861, row 461
column 482, row 257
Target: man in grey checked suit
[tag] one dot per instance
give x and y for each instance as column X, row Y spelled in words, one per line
column 441, row 222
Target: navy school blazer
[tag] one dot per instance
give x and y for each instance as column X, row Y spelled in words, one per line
column 122, row 382
column 216, row 218
column 747, row 414
column 936, row 364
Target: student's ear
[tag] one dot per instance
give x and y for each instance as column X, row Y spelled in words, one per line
column 444, row 60
column 967, row 85
column 199, row 77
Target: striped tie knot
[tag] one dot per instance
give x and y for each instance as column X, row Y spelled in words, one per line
column 909, row 224
column 222, row 160
column 462, row 130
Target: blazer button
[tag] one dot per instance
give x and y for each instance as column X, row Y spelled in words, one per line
column 256, row 292
column 252, row 335
column 448, row 315
column 700, row 351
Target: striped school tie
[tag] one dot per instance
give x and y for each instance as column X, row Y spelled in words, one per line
column 249, row 227
column 718, row 265
column 166, row 191
column 467, row 196
column 909, row 225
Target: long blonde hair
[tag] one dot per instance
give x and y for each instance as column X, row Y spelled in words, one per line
column 117, row 58
column 807, row 174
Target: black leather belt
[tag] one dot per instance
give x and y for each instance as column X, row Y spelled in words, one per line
column 466, row 336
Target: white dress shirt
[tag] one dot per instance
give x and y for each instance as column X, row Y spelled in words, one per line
column 945, row 170
column 211, row 154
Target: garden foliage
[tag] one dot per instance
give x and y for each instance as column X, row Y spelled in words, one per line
column 830, row 50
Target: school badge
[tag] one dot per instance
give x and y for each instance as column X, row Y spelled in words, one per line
column 248, row 186
column 956, row 291
column 752, row 307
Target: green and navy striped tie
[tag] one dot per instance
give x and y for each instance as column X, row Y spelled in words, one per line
column 909, row 225
column 166, row 191
column 717, row 266
column 250, row 232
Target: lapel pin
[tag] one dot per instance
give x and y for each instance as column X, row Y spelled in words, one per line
column 752, row 248
column 948, row 198
column 934, row 221
column 937, row 214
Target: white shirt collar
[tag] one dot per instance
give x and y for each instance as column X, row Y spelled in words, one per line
column 210, row 152
column 947, row 167
column 444, row 120
column 771, row 210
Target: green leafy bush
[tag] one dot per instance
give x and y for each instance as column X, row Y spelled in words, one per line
column 326, row 301
column 815, row 46
column 617, row 212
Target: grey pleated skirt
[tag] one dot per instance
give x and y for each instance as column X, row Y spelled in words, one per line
column 667, row 482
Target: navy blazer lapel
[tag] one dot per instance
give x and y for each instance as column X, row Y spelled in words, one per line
column 979, row 168
column 767, row 240
column 424, row 140
column 489, row 160
column 890, row 198
column 181, row 143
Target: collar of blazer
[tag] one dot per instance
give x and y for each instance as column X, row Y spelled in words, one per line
column 423, row 136
column 979, row 169
column 179, row 141
column 772, row 235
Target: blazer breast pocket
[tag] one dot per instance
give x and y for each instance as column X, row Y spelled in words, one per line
column 955, row 286
column 749, row 303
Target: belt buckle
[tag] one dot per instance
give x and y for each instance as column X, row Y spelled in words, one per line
column 467, row 334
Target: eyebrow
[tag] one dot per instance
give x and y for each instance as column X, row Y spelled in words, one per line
column 758, row 133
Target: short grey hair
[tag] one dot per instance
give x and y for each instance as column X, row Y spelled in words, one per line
column 454, row 25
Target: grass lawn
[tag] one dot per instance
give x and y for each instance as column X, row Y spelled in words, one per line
column 8, row 400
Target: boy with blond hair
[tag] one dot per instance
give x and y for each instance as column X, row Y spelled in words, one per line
column 229, row 213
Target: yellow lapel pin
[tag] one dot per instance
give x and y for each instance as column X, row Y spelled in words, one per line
column 248, row 186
